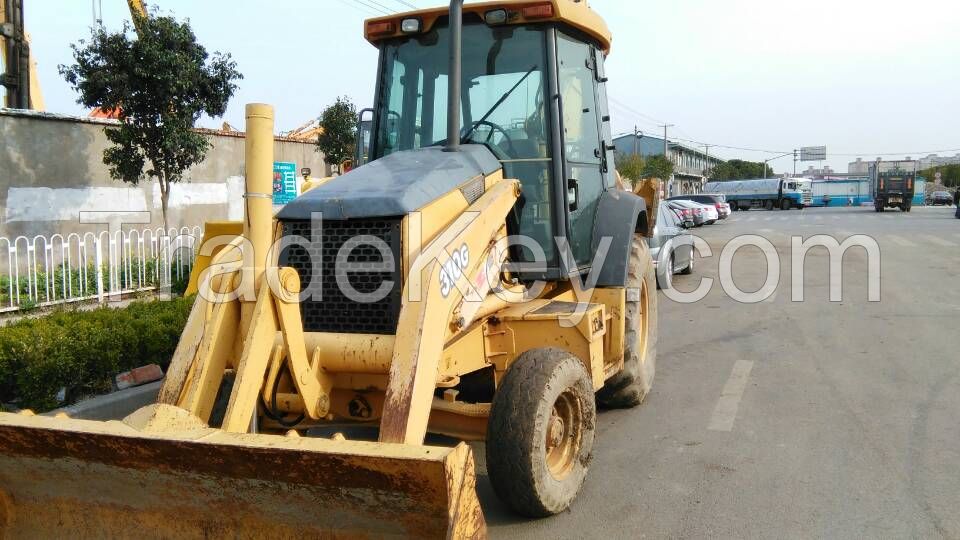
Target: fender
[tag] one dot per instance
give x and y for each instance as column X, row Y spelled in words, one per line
column 620, row 215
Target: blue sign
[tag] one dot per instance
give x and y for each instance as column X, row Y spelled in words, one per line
column 284, row 182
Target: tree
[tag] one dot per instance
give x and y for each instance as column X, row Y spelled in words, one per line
column 658, row 166
column 158, row 86
column 949, row 175
column 338, row 135
column 630, row 166
column 738, row 169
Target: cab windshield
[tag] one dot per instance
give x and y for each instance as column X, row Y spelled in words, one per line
column 503, row 107
column 503, row 91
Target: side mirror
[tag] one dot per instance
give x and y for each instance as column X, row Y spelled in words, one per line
column 364, row 133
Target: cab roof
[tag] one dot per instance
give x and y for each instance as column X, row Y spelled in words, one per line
column 575, row 13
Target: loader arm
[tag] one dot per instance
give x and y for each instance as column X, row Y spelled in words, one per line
column 445, row 269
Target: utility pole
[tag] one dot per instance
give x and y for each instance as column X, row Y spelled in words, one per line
column 636, row 139
column 794, row 163
column 706, row 166
column 666, row 155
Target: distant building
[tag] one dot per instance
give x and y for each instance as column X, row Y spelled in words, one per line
column 813, row 172
column 859, row 167
column 862, row 168
column 691, row 165
column 934, row 160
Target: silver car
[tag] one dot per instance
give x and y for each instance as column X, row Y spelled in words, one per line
column 671, row 247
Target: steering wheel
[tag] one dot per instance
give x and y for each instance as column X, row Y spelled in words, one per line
column 494, row 128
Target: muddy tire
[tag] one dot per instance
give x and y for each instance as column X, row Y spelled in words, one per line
column 540, row 432
column 630, row 387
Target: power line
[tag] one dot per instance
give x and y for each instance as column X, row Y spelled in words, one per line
column 370, row 7
column 701, row 143
column 628, row 108
column 405, row 3
column 364, row 10
column 388, row 10
column 920, row 153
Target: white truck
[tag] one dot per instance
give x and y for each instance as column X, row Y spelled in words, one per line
column 768, row 193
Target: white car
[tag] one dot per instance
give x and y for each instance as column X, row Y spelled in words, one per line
column 710, row 214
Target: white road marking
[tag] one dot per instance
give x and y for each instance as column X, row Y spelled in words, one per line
column 900, row 241
column 939, row 241
column 767, row 218
column 725, row 412
column 751, row 218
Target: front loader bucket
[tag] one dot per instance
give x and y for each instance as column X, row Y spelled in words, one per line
column 84, row 479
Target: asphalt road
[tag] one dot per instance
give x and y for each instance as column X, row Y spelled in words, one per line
column 785, row 419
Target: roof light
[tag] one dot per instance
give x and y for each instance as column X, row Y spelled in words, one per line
column 495, row 17
column 381, row 28
column 539, row 11
column 410, row 26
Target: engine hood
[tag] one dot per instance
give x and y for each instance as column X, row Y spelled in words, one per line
column 395, row 185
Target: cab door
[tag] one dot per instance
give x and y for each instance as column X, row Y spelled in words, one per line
column 583, row 148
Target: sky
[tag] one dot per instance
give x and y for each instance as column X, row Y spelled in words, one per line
column 862, row 77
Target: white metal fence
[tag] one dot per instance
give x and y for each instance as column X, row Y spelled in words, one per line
column 45, row 271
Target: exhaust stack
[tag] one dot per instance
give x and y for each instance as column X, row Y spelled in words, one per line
column 456, row 69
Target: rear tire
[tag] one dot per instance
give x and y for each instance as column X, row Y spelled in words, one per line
column 733, row 206
column 630, row 386
column 540, row 433
column 768, row 205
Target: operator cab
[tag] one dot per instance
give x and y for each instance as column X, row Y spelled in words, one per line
column 559, row 149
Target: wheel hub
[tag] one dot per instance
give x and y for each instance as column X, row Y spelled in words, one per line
column 564, row 432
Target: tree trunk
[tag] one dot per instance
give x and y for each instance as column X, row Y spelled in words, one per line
column 164, row 198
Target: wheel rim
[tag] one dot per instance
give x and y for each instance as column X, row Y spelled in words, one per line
column 564, row 434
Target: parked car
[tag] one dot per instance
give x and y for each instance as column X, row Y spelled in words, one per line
column 672, row 239
column 938, row 198
column 695, row 210
column 716, row 200
column 684, row 215
column 710, row 214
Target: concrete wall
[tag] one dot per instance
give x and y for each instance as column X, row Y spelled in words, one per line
column 51, row 170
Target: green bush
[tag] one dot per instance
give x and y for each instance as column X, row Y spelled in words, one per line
column 83, row 350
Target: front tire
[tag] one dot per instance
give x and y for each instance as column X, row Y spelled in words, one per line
column 785, row 204
column 632, row 384
column 540, row 433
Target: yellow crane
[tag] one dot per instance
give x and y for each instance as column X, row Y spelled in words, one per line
column 483, row 278
column 20, row 68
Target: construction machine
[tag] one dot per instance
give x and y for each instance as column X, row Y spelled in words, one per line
column 483, row 278
column 20, row 67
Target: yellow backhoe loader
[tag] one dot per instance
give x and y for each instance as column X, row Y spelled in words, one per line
column 482, row 278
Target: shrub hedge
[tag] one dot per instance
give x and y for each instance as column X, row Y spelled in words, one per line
column 83, row 350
